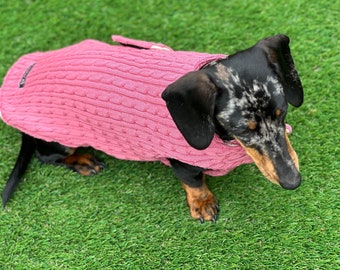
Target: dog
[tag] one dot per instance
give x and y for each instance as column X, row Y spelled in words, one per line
column 195, row 112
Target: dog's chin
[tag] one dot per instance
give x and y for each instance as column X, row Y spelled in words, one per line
column 289, row 183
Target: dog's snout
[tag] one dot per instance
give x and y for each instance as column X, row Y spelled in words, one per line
column 280, row 167
column 290, row 181
column 289, row 175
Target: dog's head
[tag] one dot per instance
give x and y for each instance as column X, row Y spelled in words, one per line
column 244, row 97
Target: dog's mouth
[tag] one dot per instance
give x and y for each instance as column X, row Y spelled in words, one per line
column 280, row 167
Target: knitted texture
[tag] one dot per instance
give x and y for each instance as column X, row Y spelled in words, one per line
column 109, row 97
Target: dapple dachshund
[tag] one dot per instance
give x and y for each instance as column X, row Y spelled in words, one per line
column 181, row 108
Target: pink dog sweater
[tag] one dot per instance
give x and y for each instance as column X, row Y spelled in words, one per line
column 109, row 97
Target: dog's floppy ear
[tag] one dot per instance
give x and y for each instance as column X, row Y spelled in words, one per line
column 191, row 103
column 278, row 53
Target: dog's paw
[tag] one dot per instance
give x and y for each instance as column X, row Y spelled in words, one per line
column 84, row 164
column 202, row 203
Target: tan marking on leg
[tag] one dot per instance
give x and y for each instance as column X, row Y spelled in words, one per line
column 202, row 202
column 85, row 164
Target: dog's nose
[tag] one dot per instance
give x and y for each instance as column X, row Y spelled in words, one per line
column 291, row 182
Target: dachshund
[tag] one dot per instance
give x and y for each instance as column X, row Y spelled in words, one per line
column 241, row 98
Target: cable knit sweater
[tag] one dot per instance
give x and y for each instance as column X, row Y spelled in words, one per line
column 109, row 97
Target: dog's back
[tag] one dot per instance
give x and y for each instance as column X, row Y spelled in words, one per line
column 108, row 97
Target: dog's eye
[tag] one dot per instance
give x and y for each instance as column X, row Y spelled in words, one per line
column 279, row 114
column 248, row 129
column 252, row 125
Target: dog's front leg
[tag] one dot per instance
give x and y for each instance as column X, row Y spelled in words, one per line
column 202, row 202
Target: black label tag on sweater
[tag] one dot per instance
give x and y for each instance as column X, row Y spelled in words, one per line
column 23, row 78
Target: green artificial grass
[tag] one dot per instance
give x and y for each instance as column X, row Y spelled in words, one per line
column 133, row 215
